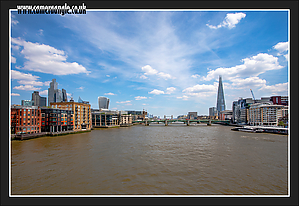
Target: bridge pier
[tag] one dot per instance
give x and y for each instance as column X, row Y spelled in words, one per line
column 145, row 123
column 188, row 123
column 166, row 123
column 209, row 122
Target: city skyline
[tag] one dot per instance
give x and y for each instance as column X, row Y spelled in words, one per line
column 167, row 63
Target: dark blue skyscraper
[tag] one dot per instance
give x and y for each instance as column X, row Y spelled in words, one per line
column 220, row 97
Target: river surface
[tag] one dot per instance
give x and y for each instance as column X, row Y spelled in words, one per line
column 152, row 160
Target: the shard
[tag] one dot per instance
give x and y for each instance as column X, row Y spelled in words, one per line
column 220, row 97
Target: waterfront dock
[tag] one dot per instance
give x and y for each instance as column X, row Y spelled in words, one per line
column 42, row 134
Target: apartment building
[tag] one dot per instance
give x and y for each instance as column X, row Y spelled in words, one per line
column 81, row 113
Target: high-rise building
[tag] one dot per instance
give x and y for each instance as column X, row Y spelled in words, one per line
column 64, row 95
column 38, row 100
column 220, row 97
column 212, row 111
column 27, row 103
column 55, row 94
column 103, row 102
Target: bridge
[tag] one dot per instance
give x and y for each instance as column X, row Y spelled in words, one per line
column 185, row 121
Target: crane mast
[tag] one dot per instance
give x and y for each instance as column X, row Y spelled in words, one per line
column 252, row 94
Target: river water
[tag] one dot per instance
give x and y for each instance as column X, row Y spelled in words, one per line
column 152, row 160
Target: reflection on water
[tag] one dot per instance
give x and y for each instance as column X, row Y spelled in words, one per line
column 194, row 160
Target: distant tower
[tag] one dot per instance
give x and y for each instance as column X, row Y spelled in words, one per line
column 220, row 97
column 103, row 102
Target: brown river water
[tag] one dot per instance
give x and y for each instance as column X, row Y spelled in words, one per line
column 152, row 160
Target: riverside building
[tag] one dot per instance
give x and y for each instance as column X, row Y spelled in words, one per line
column 81, row 113
column 56, row 120
column 25, row 120
column 265, row 114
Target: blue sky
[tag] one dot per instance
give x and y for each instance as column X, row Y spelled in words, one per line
column 166, row 62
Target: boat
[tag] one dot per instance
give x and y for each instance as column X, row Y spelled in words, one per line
column 248, row 129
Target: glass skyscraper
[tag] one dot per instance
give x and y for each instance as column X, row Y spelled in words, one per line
column 220, row 97
column 103, row 102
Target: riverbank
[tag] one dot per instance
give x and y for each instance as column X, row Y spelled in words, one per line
column 43, row 134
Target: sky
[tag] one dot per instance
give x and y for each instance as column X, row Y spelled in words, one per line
column 165, row 62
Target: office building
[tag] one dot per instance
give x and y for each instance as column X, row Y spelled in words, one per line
column 25, row 119
column 103, row 102
column 27, row 103
column 38, row 100
column 81, row 113
column 280, row 100
column 212, row 111
column 192, row 115
column 220, row 97
column 55, row 94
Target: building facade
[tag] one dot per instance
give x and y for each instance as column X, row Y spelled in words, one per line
column 280, row 100
column 38, row 100
column 105, row 119
column 192, row 115
column 56, row 120
column 81, row 113
column 212, row 111
column 25, row 120
column 220, row 97
column 265, row 114
column 103, row 102
column 26, row 103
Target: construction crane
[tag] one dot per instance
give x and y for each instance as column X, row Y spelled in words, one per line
column 252, row 94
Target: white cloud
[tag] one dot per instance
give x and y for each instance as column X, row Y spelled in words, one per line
column 282, row 48
column 47, row 59
column 110, row 93
column 15, row 94
column 20, row 75
column 230, row 21
column 27, row 87
column 140, row 98
column 277, row 89
column 107, row 75
column 200, row 88
column 41, row 32
column 156, row 91
column 248, row 82
column 170, row 90
column 13, row 59
column 80, row 88
column 45, row 92
column 150, row 71
column 184, row 97
column 195, row 76
column 123, row 102
column 252, row 66
column 30, row 82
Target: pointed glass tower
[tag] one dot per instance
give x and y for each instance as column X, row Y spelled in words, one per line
column 220, row 97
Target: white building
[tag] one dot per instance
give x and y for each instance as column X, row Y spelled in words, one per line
column 265, row 114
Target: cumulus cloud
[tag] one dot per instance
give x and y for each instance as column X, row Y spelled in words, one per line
column 45, row 92
column 110, row 93
column 170, row 90
column 20, row 75
column 46, row 59
column 123, row 102
column 277, row 89
column 184, row 97
column 140, row 98
column 195, row 76
column 252, row 66
column 27, row 87
column 156, row 91
column 15, row 94
column 230, row 21
column 200, row 89
column 13, row 59
column 80, row 88
column 248, row 82
column 150, row 71
column 282, row 48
